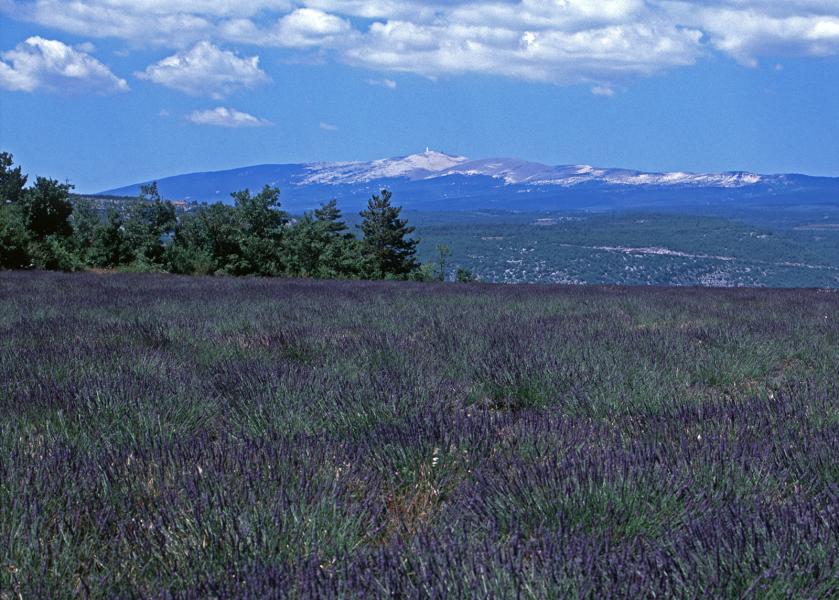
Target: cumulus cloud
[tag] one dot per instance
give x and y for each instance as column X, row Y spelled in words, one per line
column 302, row 28
column 159, row 22
column 563, row 41
column 604, row 52
column 748, row 30
column 226, row 117
column 206, row 70
column 310, row 27
column 39, row 63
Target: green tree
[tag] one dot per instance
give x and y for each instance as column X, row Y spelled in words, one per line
column 260, row 214
column 465, row 276
column 262, row 225
column 302, row 247
column 443, row 254
column 36, row 222
column 14, row 239
column 150, row 220
column 425, row 272
column 110, row 248
column 329, row 215
column 149, row 192
column 55, row 253
column 14, row 236
column 47, row 209
column 86, row 223
column 341, row 256
column 208, row 241
column 320, row 245
column 388, row 250
column 12, row 180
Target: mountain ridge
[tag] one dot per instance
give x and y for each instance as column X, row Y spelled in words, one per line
column 438, row 180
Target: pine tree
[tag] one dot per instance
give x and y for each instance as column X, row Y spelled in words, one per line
column 341, row 256
column 388, row 250
column 330, row 216
column 320, row 245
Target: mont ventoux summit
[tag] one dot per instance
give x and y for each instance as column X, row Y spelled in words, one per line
column 437, row 181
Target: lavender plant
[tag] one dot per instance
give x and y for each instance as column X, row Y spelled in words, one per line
column 168, row 437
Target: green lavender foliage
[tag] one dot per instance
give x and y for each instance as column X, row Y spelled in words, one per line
column 217, row 437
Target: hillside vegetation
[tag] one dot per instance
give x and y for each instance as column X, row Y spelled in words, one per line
column 174, row 437
column 43, row 226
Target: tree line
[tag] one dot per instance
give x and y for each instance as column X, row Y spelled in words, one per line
column 42, row 227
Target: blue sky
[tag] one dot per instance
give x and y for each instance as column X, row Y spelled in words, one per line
column 109, row 92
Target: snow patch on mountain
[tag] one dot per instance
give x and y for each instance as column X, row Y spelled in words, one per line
column 725, row 180
column 517, row 172
column 416, row 166
column 432, row 165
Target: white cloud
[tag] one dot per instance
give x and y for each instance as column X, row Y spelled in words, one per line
column 226, row 117
column 386, row 9
column 601, row 42
column 38, row 63
column 748, row 30
column 560, row 41
column 310, row 27
column 206, row 70
column 328, row 127
column 592, row 55
column 172, row 23
column 302, row 28
column 387, row 83
column 603, row 90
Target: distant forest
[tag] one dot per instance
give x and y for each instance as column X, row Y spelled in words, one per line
column 43, row 226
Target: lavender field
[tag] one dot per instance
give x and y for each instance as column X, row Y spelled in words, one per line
column 167, row 437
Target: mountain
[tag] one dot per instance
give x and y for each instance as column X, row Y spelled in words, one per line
column 437, row 181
